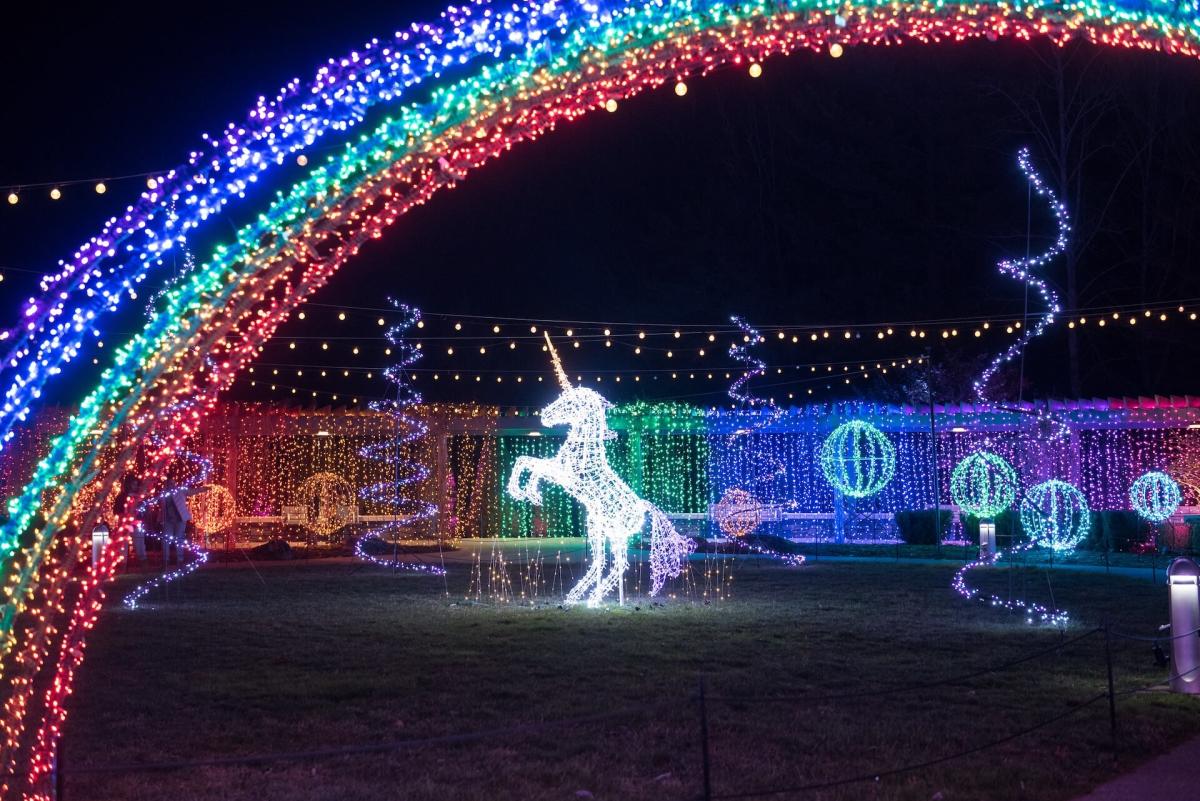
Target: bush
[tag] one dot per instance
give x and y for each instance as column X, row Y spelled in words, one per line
column 777, row 543
column 970, row 528
column 1193, row 524
column 1115, row 531
column 1008, row 529
column 272, row 550
column 924, row 526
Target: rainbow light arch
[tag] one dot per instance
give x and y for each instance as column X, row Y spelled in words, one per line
column 548, row 64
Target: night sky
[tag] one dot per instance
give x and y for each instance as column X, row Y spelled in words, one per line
column 873, row 191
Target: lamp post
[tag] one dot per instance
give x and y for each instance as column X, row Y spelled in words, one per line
column 1183, row 582
column 987, row 538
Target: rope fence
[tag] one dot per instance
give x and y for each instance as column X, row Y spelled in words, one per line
column 702, row 700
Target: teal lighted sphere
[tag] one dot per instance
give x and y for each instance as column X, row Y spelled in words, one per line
column 1155, row 496
column 983, row 484
column 857, row 459
column 1055, row 515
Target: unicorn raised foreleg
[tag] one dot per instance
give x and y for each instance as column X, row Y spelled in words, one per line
column 613, row 511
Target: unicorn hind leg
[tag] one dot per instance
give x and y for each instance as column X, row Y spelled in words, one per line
column 592, row 577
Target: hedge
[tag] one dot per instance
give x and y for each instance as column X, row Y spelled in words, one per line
column 918, row 527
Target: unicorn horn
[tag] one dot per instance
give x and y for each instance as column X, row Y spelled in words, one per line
column 558, row 368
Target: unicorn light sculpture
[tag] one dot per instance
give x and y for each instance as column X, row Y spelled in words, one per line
column 614, row 511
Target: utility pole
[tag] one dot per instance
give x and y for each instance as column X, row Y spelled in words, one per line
column 933, row 447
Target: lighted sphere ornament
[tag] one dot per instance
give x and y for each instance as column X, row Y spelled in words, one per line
column 983, row 484
column 738, row 513
column 329, row 503
column 1155, row 496
column 1055, row 515
column 213, row 510
column 857, row 459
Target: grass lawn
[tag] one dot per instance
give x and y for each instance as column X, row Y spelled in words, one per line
column 300, row 656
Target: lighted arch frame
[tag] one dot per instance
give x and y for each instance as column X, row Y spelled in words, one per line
column 235, row 300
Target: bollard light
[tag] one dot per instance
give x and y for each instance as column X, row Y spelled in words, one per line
column 1183, row 582
column 99, row 542
column 987, row 538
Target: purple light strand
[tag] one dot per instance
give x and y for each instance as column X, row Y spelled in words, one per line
column 1022, row 269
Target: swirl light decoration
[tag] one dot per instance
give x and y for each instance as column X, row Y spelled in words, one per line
column 858, row 459
column 764, row 467
column 200, row 470
column 760, row 463
column 983, row 484
column 1155, row 496
column 405, row 511
column 1055, row 515
column 1024, row 270
column 491, row 78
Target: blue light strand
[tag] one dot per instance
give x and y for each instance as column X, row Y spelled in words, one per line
column 407, row 471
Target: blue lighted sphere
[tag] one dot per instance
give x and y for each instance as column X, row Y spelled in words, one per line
column 983, row 484
column 857, row 459
column 1055, row 515
column 1155, row 496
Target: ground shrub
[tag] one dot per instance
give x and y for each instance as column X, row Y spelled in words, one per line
column 924, row 526
column 1115, row 530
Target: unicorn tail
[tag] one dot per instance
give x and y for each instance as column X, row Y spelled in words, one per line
column 668, row 549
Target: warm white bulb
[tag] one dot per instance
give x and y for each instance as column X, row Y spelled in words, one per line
column 755, row 70
column 610, row 105
column 681, row 88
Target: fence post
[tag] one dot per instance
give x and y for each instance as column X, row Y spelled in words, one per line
column 704, row 743
column 1112, row 696
column 59, row 784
